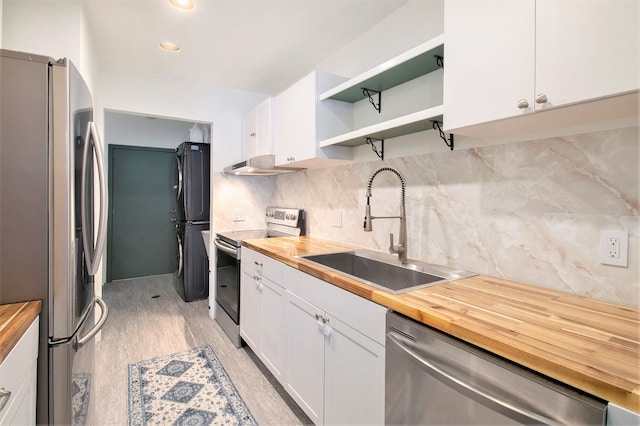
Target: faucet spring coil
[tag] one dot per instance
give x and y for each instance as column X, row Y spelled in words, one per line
column 388, row 169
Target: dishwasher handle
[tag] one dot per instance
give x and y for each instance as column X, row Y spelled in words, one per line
column 448, row 378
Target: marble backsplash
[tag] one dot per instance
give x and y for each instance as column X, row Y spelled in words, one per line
column 528, row 211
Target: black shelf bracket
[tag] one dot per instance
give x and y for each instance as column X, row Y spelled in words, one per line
column 439, row 61
column 378, row 152
column 449, row 141
column 368, row 94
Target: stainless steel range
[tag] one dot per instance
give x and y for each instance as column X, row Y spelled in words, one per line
column 280, row 222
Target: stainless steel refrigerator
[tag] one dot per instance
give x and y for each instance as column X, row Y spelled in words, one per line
column 192, row 197
column 50, row 242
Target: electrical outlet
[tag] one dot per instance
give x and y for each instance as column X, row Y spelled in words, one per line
column 613, row 248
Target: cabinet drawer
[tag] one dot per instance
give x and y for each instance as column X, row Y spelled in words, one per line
column 256, row 263
column 15, row 369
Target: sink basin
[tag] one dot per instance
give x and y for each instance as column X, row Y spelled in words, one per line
column 384, row 271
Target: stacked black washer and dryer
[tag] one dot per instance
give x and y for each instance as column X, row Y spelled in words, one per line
column 192, row 185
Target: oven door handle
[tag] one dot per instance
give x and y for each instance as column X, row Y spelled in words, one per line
column 225, row 247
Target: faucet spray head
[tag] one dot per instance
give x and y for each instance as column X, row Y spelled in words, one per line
column 367, row 218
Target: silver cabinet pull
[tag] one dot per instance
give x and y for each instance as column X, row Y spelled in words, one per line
column 5, row 395
column 541, row 99
column 522, row 104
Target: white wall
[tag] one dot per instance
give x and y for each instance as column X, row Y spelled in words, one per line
column 137, row 92
column 139, row 130
column 44, row 27
column 55, row 29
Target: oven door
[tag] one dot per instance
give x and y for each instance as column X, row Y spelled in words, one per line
column 228, row 279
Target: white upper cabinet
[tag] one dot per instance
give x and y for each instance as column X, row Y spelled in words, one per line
column 489, row 67
column 506, row 59
column 586, row 49
column 301, row 120
column 257, row 130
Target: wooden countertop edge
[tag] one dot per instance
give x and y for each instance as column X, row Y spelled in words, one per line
column 535, row 361
column 286, row 250
column 15, row 319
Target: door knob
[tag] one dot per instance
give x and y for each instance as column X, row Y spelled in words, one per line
column 541, row 99
column 522, row 104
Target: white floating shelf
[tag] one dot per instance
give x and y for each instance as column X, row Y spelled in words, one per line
column 405, row 67
column 407, row 124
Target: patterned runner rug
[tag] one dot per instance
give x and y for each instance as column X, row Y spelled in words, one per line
column 186, row 388
column 81, row 392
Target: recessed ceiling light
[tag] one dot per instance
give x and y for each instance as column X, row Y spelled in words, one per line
column 183, row 4
column 169, row 47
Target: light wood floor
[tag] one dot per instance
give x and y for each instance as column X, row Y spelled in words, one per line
column 142, row 326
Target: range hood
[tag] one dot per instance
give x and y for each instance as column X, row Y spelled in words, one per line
column 262, row 165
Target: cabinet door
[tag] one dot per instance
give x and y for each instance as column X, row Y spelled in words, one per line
column 295, row 122
column 354, row 377
column 264, row 128
column 586, row 49
column 273, row 324
column 489, row 60
column 249, row 134
column 257, row 136
column 18, row 375
column 305, row 357
column 250, row 308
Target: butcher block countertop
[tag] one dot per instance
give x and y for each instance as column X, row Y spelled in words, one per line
column 587, row 343
column 15, row 319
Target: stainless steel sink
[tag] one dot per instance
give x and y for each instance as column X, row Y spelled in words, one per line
column 385, row 271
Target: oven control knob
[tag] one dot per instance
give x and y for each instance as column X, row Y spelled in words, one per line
column 293, row 216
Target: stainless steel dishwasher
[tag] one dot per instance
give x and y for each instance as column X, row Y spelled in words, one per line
column 433, row 378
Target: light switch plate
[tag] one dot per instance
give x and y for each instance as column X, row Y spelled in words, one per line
column 613, row 247
column 336, row 219
column 238, row 215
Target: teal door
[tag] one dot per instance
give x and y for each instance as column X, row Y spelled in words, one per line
column 142, row 234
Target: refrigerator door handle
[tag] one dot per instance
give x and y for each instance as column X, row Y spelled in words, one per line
column 56, row 341
column 103, row 318
column 93, row 262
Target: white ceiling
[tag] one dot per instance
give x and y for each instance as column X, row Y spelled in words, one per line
column 255, row 45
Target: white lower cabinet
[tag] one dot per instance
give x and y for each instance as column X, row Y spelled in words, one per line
column 354, row 377
column 262, row 309
column 620, row 416
column 18, row 380
column 335, row 352
column 305, row 357
column 324, row 344
column 273, row 327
